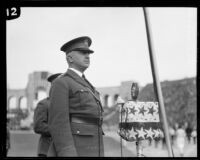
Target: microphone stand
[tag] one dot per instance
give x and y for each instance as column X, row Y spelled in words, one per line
column 134, row 96
column 120, row 102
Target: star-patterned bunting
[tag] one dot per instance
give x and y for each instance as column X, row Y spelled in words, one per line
column 142, row 121
column 141, row 133
column 142, row 110
column 157, row 133
column 132, row 110
column 151, row 110
column 150, row 133
column 132, row 133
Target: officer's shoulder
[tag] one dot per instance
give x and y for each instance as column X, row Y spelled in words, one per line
column 43, row 101
column 62, row 79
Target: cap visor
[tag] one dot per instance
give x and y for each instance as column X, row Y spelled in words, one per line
column 85, row 50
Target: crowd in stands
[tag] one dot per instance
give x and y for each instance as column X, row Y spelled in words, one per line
column 180, row 135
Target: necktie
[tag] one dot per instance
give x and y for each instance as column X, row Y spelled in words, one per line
column 83, row 76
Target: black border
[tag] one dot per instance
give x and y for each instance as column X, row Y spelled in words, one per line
column 105, row 3
column 88, row 3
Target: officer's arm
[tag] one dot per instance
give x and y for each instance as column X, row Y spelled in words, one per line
column 59, row 121
column 41, row 118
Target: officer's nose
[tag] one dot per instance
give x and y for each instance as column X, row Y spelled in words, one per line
column 87, row 55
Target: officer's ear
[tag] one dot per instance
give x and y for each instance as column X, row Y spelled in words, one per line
column 69, row 58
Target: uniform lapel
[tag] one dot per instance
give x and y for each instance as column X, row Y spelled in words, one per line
column 78, row 79
column 89, row 84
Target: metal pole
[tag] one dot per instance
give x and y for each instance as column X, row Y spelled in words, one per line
column 139, row 149
column 120, row 103
column 156, row 81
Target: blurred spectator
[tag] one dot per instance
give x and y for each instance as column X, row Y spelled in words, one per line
column 172, row 134
column 194, row 135
column 188, row 132
column 176, row 126
column 163, row 140
column 156, row 142
column 180, row 139
column 150, row 141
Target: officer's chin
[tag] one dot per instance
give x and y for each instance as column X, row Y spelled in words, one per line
column 84, row 67
column 87, row 64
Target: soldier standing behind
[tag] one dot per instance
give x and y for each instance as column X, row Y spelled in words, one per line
column 41, row 123
column 75, row 113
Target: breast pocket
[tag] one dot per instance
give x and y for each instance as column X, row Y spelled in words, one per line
column 85, row 96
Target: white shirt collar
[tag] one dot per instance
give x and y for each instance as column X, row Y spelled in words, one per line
column 76, row 71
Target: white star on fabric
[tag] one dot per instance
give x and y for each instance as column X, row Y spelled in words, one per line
column 150, row 133
column 157, row 133
column 161, row 133
column 141, row 133
column 132, row 133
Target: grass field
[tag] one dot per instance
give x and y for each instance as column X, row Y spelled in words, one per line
column 24, row 144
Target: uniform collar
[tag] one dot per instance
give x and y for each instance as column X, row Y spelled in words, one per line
column 76, row 71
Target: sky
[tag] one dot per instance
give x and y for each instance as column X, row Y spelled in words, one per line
column 119, row 42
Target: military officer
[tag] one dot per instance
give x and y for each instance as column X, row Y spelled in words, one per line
column 75, row 113
column 41, row 123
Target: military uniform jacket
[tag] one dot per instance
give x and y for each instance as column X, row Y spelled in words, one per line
column 70, row 97
column 41, row 126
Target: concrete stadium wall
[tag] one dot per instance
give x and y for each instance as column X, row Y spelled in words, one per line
column 37, row 82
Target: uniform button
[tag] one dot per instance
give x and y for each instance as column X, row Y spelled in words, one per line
column 77, row 132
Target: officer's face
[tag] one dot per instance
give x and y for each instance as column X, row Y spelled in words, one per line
column 80, row 60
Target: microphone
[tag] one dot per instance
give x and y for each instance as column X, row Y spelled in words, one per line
column 134, row 91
